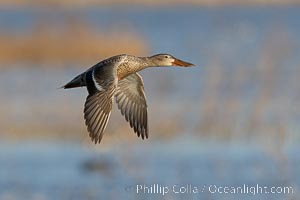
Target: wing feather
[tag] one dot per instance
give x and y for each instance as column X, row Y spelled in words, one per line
column 101, row 85
column 96, row 114
column 131, row 100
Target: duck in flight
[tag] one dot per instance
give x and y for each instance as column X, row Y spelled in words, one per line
column 117, row 77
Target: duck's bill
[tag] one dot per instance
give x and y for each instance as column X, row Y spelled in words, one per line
column 181, row 63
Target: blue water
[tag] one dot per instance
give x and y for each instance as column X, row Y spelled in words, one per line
column 73, row 171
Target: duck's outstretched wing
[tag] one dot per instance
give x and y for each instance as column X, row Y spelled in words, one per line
column 131, row 100
column 101, row 84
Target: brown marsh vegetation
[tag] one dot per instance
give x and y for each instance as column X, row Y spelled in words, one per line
column 73, row 41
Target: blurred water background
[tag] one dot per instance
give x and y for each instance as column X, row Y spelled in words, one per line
column 233, row 119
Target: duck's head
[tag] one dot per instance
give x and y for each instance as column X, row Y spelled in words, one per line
column 168, row 60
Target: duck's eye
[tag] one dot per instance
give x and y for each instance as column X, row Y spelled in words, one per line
column 166, row 56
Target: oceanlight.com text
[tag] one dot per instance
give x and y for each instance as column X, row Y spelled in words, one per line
column 253, row 190
column 212, row 189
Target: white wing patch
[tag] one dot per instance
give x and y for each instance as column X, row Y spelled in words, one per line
column 99, row 87
column 122, row 58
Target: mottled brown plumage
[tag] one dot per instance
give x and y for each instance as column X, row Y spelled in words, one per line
column 117, row 76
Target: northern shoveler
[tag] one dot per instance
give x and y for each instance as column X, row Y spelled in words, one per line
column 117, row 76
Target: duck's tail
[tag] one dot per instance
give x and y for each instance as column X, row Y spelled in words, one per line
column 78, row 81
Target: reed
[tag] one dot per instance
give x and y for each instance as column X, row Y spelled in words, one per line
column 253, row 101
